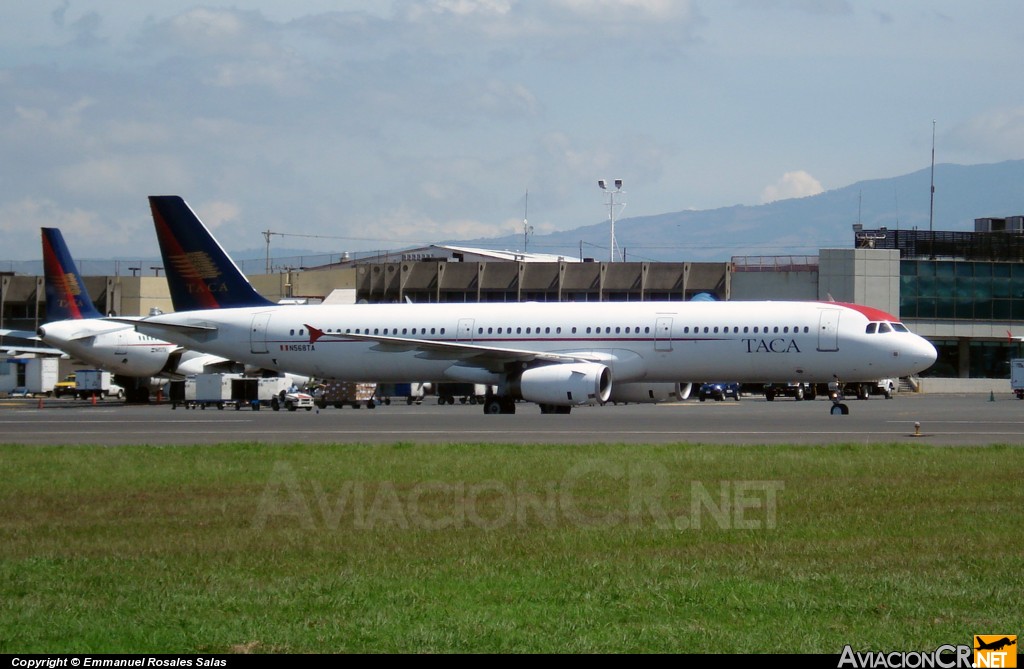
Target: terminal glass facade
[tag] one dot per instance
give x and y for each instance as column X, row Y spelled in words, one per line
column 984, row 359
column 961, row 290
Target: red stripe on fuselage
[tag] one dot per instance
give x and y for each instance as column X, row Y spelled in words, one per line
column 870, row 313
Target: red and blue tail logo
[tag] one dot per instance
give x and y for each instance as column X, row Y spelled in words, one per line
column 200, row 274
column 66, row 296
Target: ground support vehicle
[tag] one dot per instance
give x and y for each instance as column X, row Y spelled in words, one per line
column 472, row 393
column 798, row 390
column 96, row 383
column 719, row 390
column 65, row 386
column 412, row 392
column 864, row 390
column 1017, row 377
column 29, row 377
column 345, row 393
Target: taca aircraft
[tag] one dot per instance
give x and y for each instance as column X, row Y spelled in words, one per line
column 557, row 355
column 75, row 327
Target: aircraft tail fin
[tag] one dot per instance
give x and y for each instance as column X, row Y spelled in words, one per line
column 66, row 296
column 200, row 273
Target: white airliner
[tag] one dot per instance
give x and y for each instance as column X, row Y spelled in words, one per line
column 80, row 331
column 558, row 355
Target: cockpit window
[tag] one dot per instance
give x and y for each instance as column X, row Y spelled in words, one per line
column 884, row 327
column 900, row 327
column 871, row 328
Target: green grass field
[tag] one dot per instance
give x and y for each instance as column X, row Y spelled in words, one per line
column 497, row 548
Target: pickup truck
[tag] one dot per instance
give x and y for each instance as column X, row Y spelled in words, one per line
column 66, row 386
column 862, row 391
column 293, row 400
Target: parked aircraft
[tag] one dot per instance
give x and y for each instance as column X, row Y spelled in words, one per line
column 76, row 327
column 558, row 355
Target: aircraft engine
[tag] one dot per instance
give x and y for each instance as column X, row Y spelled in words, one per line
column 565, row 384
column 649, row 393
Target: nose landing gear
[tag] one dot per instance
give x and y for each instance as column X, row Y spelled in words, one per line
column 835, row 393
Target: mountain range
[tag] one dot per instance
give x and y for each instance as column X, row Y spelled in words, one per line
column 799, row 226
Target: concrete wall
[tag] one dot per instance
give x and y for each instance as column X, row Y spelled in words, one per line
column 998, row 387
column 863, row 276
column 137, row 295
column 775, row 285
column 315, row 285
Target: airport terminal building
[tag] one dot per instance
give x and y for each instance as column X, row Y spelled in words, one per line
column 964, row 291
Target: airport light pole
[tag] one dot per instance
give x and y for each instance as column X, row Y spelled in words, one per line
column 611, row 210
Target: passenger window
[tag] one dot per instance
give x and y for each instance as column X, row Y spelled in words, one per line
column 291, row 332
column 588, row 329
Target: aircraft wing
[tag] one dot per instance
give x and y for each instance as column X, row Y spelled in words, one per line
column 492, row 358
column 21, row 349
column 15, row 351
column 19, row 334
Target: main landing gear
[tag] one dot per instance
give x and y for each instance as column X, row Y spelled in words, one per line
column 496, row 404
column 502, row 404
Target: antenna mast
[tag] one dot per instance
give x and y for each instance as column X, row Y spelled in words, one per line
column 526, row 228
column 931, row 205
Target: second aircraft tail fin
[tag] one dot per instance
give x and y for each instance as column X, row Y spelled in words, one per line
column 66, row 296
column 200, row 273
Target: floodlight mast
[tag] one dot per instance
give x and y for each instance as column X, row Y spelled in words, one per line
column 611, row 210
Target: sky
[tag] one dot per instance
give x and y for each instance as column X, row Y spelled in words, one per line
column 350, row 126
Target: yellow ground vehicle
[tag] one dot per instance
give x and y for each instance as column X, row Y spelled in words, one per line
column 65, row 386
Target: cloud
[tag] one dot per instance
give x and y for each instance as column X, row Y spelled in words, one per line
column 791, row 185
column 20, row 221
column 993, row 134
column 217, row 213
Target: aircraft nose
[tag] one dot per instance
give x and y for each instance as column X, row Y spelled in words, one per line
column 924, row 354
